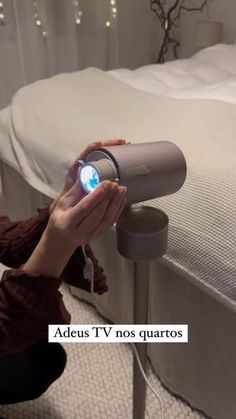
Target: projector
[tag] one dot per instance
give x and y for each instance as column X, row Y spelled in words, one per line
column 148, row 170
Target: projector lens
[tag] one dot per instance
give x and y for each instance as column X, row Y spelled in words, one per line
column 89, row 178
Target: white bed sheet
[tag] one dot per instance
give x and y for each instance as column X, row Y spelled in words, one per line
column 209, row 74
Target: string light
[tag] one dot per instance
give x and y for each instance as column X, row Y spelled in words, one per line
column 77, row 12
column 40, row 16
column 2, row 14
column 113, row 10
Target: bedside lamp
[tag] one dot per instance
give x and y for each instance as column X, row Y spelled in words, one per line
column 208, row 33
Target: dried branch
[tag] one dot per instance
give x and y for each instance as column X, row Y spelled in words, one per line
column 169, row 18
column 195, row 9
column 182, row 7
column 158, row 9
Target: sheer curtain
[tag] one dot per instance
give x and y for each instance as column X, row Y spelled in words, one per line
column 26, row 55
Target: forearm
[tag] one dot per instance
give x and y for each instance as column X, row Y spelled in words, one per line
column 49, row 257
column 19, row 239
column 28, row 304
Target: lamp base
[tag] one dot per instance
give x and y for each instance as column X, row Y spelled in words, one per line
column 142, row 234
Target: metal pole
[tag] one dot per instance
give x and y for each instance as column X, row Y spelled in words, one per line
column 141, row 237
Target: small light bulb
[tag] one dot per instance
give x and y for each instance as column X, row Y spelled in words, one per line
column 108, row 23
column 1, row 4
column 78, row 21
column 113, row 2
column 38, row 22
column 1, row 16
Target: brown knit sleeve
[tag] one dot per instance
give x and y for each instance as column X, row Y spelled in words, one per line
column 28, row 304
column 19, row 239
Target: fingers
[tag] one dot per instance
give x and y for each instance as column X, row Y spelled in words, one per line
column 119, row 210
column 72, row 197
column 89, row 149
column 83, row 218
column 113, row 142
column 71, row 176
column 112, row 213
column 98, row 144
column 115, row 205
column 73, row 172
column 96, row 217
column 90, row 202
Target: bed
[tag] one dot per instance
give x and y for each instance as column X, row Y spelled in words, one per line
column 192, row 103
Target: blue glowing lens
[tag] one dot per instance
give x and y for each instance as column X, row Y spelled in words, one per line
column 89, row 178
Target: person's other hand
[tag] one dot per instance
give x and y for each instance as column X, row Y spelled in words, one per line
column 78, row 218
column 75, row 220
column 73, row 170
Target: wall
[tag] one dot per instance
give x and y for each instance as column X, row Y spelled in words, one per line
column 140, row 36
column 25, row 56
column 219, row 10
column 135, row 33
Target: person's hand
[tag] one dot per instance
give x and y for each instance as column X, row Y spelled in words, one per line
column 73, row 170
column 75, row 220
column 79, row 218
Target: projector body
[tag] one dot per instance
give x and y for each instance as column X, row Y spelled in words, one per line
column 148, row 170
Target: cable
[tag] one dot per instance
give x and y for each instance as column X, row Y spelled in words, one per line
column 88, row 270
column 92, row 282
column 146, row 379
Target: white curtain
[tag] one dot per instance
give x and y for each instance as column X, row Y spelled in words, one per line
column 26, row 55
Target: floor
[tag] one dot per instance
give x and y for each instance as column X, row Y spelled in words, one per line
column 97, row 383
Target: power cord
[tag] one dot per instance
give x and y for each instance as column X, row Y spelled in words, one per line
column 146, row 379
column 88, row 270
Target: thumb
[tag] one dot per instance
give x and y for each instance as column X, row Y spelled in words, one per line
column 73, row 196
column 71, row 176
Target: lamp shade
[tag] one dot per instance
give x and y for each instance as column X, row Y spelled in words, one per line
column 208, row 34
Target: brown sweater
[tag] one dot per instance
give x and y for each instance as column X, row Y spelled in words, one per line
column 28, row 303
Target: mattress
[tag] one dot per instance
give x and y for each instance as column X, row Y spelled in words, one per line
column 209, row 74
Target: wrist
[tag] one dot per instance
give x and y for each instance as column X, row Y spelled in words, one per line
column 49, row 257
column 52, row 206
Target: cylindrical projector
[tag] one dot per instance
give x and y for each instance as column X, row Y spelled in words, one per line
column 148, row 170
